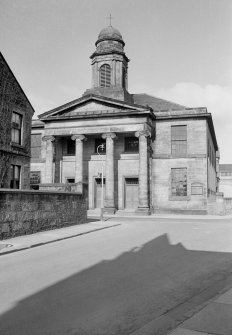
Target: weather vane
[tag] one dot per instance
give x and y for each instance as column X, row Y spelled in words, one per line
column 110, row 18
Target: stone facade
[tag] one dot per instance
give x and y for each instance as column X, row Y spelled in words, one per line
column 225, row 185
column 14, row 152
column 158, row 156
column 26, row 212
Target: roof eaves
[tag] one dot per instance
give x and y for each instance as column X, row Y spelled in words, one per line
column 17, row 82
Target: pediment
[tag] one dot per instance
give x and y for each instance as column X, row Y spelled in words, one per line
column 89, row 105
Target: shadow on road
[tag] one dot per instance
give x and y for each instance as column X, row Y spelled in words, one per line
column 118, row 296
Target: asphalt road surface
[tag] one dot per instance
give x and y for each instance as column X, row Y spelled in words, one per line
column 114, row 281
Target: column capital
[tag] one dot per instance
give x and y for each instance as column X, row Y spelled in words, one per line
column 78, row 137
column 107, row 135
column 48, row 138
column 145, row 133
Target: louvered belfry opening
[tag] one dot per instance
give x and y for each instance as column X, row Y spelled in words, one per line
column 105, row 76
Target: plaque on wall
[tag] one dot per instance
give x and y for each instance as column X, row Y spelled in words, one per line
column 197, row 189
column 35, row 177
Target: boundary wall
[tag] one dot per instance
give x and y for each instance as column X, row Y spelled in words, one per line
column 28, row 211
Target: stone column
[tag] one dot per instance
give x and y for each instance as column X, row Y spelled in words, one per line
column 49, row 159
column 109, row 195
column 143, row 172
column 79, row 157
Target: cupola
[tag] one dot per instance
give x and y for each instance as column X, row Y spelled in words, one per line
column 110, row 66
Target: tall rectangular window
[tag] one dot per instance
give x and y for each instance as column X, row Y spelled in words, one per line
column 15, row 176
column 179, row 182
column 71, row 147
column 36, row 145
column 16, row 128
column 131, row 144
column 179, row 140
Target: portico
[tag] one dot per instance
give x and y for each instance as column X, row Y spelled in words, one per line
column 86, row 165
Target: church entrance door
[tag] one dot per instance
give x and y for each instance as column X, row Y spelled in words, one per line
column 131, row 193
column 98, row 192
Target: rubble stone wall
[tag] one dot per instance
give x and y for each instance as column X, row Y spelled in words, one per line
column 26, row 212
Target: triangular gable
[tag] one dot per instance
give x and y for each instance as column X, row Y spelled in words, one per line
column 88, row 104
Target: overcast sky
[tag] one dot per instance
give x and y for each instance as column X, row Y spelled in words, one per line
column 180, row 50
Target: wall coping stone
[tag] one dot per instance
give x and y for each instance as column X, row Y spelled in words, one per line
column 10, row 190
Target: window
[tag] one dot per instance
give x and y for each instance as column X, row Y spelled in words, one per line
column 179, row 182
column 131, row 144
column 36, row 145
column 179, row 140
column 15, row 176
column 99, row 181
column 105, row 76
column 71, row 147
column 16, row 128
column 123, row 77
column 70, row 180
column 100, row 141
column 132, row 181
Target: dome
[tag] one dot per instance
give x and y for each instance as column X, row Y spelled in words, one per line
column 109, row 33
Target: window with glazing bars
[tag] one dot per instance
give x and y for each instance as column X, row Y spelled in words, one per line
column 16, row 128
column 179, row 140
column 179, row 182
column 105, row 76
column 15, row 176
column 131, row 144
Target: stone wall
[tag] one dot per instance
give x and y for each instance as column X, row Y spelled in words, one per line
column 195, row 160
column 219, row 205
column 13, row 99
column 228, row 206
column 27, row 212
column 225, row 186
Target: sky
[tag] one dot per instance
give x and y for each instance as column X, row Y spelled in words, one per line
column 179, row 50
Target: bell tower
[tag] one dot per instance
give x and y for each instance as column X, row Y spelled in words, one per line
column 110, row 66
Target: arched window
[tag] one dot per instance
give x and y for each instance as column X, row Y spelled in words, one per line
column 105, row 76
column 123, row 77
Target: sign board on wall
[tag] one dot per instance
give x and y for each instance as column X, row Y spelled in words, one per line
column 35, row 177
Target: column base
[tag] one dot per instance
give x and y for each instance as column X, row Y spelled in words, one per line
column 109, row 210
column 143, row 211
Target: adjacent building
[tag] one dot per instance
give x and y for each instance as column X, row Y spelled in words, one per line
column 15, row 131
column 156, row 155
column 226, row 180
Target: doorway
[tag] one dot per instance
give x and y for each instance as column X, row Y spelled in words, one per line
column 131, row 193
column 98, row 192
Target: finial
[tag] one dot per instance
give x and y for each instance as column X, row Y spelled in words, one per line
column 110, row 18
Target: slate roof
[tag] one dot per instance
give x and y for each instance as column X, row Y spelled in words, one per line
column 157, row 104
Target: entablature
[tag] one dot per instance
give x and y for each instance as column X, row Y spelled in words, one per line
column 69, row 131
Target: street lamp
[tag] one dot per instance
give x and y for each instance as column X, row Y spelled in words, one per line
column 101, row 147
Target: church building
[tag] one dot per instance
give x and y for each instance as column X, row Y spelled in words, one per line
column 156, row 156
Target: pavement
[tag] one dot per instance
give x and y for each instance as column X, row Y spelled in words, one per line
column 215, row 317
column 49, row 236
column 34, row 240
column 211, row 315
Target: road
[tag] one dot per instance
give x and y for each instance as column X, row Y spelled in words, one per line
column 113, row 281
